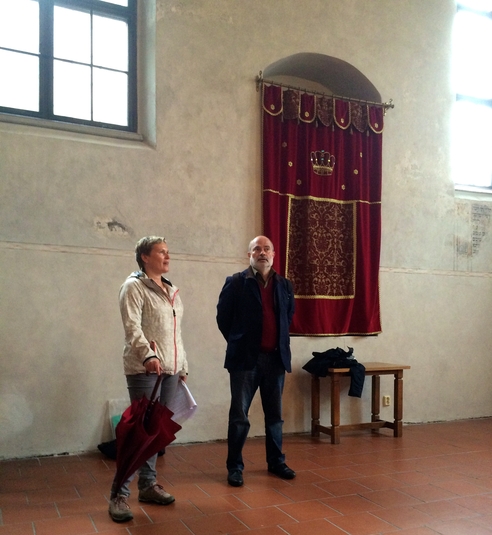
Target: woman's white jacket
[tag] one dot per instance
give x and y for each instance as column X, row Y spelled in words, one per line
column 151, row 314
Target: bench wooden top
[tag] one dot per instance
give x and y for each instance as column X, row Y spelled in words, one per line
column 383, row 367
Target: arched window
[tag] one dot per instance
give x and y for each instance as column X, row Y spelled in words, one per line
column 318, row 72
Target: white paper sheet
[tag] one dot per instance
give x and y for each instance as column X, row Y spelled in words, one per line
column 183, row 405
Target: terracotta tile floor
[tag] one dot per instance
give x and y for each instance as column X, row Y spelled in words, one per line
column 437, row 478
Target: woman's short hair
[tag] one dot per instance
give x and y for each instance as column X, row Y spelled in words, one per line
column 144, row 246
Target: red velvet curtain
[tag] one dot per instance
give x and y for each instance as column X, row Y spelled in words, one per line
column 322, row 207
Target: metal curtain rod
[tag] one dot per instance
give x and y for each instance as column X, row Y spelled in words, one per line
column 385, row 105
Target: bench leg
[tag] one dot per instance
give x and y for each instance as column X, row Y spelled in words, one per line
column 398, row 414
column 335, row 408
column 375, row 397
column 315, row 405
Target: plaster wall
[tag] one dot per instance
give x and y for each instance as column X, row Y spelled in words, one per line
column 73, row 206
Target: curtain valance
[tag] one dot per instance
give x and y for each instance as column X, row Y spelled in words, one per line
column 293, row 104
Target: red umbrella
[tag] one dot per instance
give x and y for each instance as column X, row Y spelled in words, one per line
column 145, row 428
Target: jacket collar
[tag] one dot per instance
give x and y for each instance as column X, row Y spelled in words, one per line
column 141, row 275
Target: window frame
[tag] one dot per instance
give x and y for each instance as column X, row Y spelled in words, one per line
column 46, row 64
column 461, row 97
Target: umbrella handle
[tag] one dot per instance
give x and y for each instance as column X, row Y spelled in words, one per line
column 152, row 401
column 156, row 387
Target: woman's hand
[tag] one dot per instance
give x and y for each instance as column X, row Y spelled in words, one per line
column 153, row 365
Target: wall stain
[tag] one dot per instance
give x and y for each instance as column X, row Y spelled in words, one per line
column 112, row 226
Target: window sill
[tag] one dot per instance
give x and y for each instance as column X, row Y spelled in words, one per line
column 17, row 124
column 472, row 193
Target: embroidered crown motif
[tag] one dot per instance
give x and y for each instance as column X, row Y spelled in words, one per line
column 323, row 162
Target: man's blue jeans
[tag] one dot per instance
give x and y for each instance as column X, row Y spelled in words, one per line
column 138, row 385
column 269, row 376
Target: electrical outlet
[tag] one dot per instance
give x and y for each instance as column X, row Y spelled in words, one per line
column 386, row 401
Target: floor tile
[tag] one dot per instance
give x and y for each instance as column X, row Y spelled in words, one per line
column 351, row 504
column 263, row 517
column 444, row 510
column 301, row 493
column 214, row 524
column 428, row 492
column 362, row 524
column 263, row 498
column 74, row 525
column 342, row 487
column 18, row 529
column 463, row 488
column 174, row 527
column 378, row 482
column 313, row 527
column 481, row 504
column 403, row 517
column 460, row 527
column 391, row 498
column 26, row 513
column 310, row 510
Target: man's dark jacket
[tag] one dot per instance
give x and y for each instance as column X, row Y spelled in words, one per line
column 240, row 319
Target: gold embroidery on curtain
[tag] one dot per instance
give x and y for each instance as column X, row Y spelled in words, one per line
column 291, row 104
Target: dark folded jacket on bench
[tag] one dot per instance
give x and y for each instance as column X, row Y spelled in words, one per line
column 338, row 358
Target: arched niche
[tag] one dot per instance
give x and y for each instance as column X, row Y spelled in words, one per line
column 318, row 72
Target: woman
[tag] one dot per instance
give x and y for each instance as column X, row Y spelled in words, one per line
column 151, row 311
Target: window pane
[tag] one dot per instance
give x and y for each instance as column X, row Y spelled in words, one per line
column 471, row 142
column 477, row 5
column 19, row 25
column 72, row 90
column 72, row 35
column 472, row 42
column 110, row 97
column 118, row 2
column 110, row 43
column 22, row 72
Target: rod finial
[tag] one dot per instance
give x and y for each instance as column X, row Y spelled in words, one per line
column 388, row 105
column 259, row 80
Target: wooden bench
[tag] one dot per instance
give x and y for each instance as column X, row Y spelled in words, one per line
column 375, row 369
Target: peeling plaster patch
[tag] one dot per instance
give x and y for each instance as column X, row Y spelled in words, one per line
column 463, row 210
column 462, row 230
column 112, row 226
column 463, row 247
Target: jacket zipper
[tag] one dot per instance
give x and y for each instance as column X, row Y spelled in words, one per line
column 174, row 334
column 174, row 330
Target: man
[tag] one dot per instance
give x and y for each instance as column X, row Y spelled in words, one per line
column 151, row 311
column 254, row 313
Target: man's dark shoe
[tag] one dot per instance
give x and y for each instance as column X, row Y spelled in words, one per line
column 282, row 471
column 235, row 478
